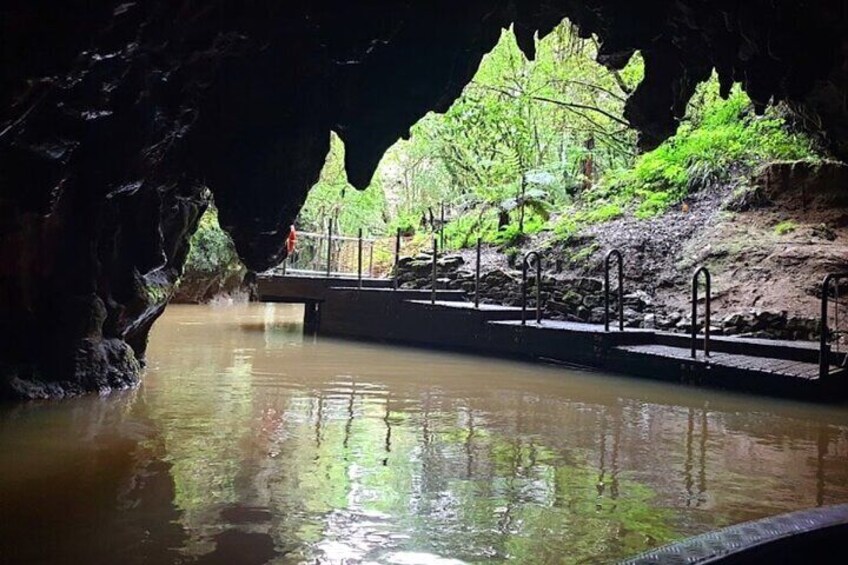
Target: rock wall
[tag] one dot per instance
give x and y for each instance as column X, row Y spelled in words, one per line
column 114, row 115
column 581, row 299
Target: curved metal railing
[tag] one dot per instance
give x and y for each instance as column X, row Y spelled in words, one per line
column 614, row 253
column 826, row 334
column 708, row 282
column 525, row 266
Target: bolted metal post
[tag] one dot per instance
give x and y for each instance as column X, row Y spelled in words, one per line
column 477, row 276
column 524, row 293
column 538, row 290
column 824, row 348
column 359, row 260
column 831, row 280
column 397, row 257
column 435, row 258
column 329, row 246
column 614, row 253
column 525, row 266
column 707, row 282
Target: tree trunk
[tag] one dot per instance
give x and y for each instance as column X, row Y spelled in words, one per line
column 589, row 164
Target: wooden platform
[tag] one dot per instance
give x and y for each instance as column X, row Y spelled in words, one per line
column 380, row 313
column 765, row 365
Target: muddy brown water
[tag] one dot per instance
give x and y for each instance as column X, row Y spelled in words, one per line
column 250, row 443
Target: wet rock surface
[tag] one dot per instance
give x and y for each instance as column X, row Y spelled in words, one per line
column 115, row 115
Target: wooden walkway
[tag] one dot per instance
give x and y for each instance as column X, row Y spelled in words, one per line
column 377, row 312
column 766, row 365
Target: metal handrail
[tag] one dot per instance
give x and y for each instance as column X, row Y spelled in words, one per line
column 336, row 237
column 359, row 260
column 707, row 281
column 435, row 261
column 329, row 246
column 524, row 268
column 477, row 275
column 397, row 258
column 614, row 253
column 824, row 346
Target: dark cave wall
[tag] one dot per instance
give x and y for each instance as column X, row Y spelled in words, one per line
column 114, row 116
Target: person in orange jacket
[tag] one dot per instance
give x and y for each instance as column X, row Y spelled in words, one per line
column 291, row 240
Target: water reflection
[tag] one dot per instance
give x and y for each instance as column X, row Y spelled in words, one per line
column 250, row 443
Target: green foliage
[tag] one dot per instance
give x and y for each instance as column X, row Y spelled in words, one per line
column 574, row 219
column 720, row 138
column 604, row 213
column 655, row 203
column 566, row 226
column 546, row 138
column 407, row 223
column 785, row 227
column 212, row 251
column 333, row 197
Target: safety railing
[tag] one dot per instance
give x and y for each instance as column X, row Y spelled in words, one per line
column 435, row 270
column 395, row 278
column 828, row 336
column 477, row 275
column 613, row 254
column 337, row 256
column 529, row 260
column 707, row 307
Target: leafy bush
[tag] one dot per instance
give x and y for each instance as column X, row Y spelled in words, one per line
column 723, row 137
column 212, row 251
column 407, row 223
column 463, row 231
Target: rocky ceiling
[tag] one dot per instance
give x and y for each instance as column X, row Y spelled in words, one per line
column 114, row 116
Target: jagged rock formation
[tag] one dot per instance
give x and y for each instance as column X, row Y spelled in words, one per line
column 113, row 115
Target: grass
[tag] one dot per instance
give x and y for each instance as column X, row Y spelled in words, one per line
column 785, row 227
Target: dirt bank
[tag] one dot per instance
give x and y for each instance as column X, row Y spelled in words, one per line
column 768, row 241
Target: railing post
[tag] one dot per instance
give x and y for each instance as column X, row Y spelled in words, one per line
column 824, row 347
column 707, row 282
column 442, row 226
column 371, row 260
column 329, row 246
column 397, row 258
column 525, row 265
column 477, row 275
column 607, row 260
column 435, row 259
column 359, row 260
column 538, row 290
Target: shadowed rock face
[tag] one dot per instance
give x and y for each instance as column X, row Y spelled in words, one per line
column 115, row 116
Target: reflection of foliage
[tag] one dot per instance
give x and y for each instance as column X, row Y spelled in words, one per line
column 342, row 462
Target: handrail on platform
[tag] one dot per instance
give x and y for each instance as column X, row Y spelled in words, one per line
column 824, row 345
column 477, row 275
column 397, row 259
column 614, row 253
column 707, row 281
column 525, row 266
column 435, row 265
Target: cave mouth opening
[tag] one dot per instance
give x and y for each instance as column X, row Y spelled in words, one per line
column 535, row 149
column 115, row 119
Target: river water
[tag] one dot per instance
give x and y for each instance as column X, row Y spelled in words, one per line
column 250, row 443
